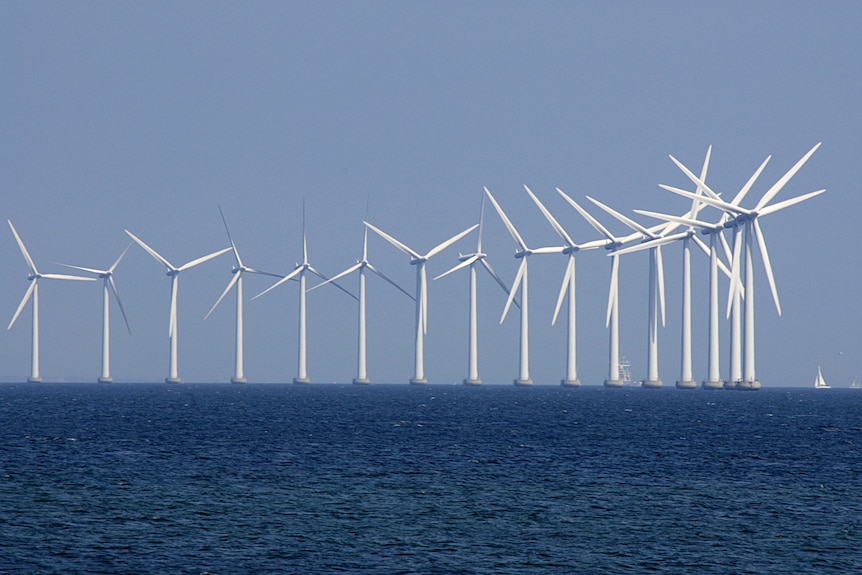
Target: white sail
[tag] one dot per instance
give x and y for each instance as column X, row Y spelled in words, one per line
column 819, row 382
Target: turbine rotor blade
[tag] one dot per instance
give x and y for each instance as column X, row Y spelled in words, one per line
column 30, row 263
column 787, row 203
column 394, row 242
column 66, row 277
column 590, row 219
column 119, row 259
column 440, row 247
column 515, row 284
column 230, row 284
column 471, row 260
column 570, row 269
column 119, row 302
column 551, row 220
column 660, row 277
column 286, row 278
column 625, row 220
column 151, row 251
column 386, row 278
column 612, row 292
column 203, row 259
column 734, row 268
column 499, row 281
column 785, row 178
column 336, row 277
column 512, row 231
column 24, row 301
column 764, row 255
column 88, row 270
column 742, row 192
column 324, row 278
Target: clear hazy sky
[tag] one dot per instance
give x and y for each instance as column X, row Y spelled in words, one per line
column 149, row 115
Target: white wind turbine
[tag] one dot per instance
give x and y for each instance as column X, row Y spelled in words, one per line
column 521, row 280
column 471, row 260
column 362, row 265
column 748, row 219
column 174, row 273
column 33, row 291
column 108, row 285
column 612, row 320
column 568, row 286
column 238, row 269
column 686, row 380
column 299, row 272
column 420, row 260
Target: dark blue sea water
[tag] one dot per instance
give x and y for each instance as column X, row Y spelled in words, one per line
column 152, row 478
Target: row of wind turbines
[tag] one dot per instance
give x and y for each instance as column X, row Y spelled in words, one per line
column 738, row 267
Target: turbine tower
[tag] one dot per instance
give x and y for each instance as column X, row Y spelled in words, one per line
column 613, row 244
column 521, row 279
column 33, row 291
column 471, row 260
column 656, row 288
column 174, row 273
column 420, row 260
column 238, row 269
column 299, row 272
column 749, row 221
column 108, row 285
column 568, row 286
column 363, row 264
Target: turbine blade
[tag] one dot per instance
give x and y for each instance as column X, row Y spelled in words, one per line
column 67, row 277
column 336, row 277
column 393, row 241
column 83, row 269
column 649, row 244
column 570, row 268
column 518, row 277
column 764, row 255
column 385, row 278
column 203, row 259
column 23, row 249
column 24, row 301
column 499, row 281
column 720, row 204
column 734, row 268
column 324, row 278
column 590, row 219
column 481, row 225
column 697, row 181
column 627, row 221
column 230, row 284
column 286, row 278
column 744, row 190
column 449, row 242
column 151, row 251
column 787, row 203
column 685, row 221
column 119, row 259
column 230, row 239
column 472, row 259
column 551, row 220
column 119, row 302
column 512, row 231
column 695, row 205
column 767, row 197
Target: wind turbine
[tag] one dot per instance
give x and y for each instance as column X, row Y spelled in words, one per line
column 108, row 285
column 362, row 265
column 420, row 260
column 570, row 249
column 471, row 260
column 238, row 269
column 174, row 273
column 748, row 220
column 656, row 287
column 686, row 380
column 300, row 271
column 521, row 279
column 33, row 291
column 613, row 244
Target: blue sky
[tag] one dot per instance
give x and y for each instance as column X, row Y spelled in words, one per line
column 148, row 116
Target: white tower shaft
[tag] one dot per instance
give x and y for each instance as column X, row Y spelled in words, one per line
column 173, row 375
column 301, row 371
column 685, row 380
column 35, row 377
column 473, row 350
column 613, row 379
column 361, row 368
column 749, row 375
column 419, row 358
column 572, row 378
column 106, row 334
column 238, row 373
column 652, row 380
column 524, row 363
column 713, row 380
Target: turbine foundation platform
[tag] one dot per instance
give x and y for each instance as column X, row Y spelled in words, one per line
column 613, row 383
column 361, row 381
column 105, row 380
column 652, row 383
column 238, row 380
column 748, row 385
column 731, row 384
column 34, row 380
column 301, row 380
column 571, row 382
column 686, row 384
column 523, row 382
column 173, row 380
column 418, row 381
column 476, row 381
column 718, row 384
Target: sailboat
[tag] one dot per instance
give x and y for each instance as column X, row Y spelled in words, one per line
column 855, row 383
column 819, row 382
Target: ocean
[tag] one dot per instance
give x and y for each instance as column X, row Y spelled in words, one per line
column 225, row 479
